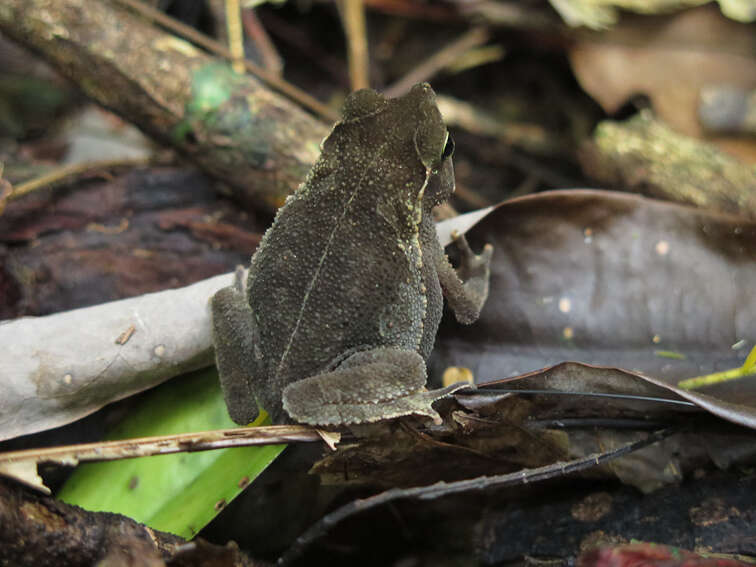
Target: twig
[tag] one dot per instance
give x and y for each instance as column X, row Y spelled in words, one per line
column 213, row 46
column 257, row 33
column 439, row 60
column 165, row 444
column 21, row 465
column 68, row 174
column 439, row 489
column 353, row 19
column 517, row 15
column 529, row 136
column 235, row 35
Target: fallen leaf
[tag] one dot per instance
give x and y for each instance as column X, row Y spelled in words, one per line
column 669, row 59
column 611, row 279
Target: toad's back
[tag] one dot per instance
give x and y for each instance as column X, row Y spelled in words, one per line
column 341, row 267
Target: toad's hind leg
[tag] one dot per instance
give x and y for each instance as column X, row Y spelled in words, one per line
column 234, row 335
column 368, row 386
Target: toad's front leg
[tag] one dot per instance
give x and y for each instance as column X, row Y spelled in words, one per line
column 466, row 288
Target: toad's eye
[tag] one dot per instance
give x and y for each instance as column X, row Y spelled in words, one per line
column 448, row 147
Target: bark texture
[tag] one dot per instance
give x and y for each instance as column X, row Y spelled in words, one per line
column 645, row 156
column 228, row 124
column 38, row 530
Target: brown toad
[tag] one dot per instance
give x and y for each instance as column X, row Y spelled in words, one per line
column 344, row 295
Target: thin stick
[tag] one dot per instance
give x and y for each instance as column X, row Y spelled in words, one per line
column 22, row 465
column 214, row 47
column 257, row 33
column 165, row 445
column 69, row 173
column 525, row 476
column 353, row 18
column 235, row 35
column 428, row 68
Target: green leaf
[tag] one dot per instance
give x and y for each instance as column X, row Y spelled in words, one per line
column 177, row 493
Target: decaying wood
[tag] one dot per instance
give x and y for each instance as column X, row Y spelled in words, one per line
column 240, row 132
column 38, row 530
column 644, row 155
column 156, row 227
